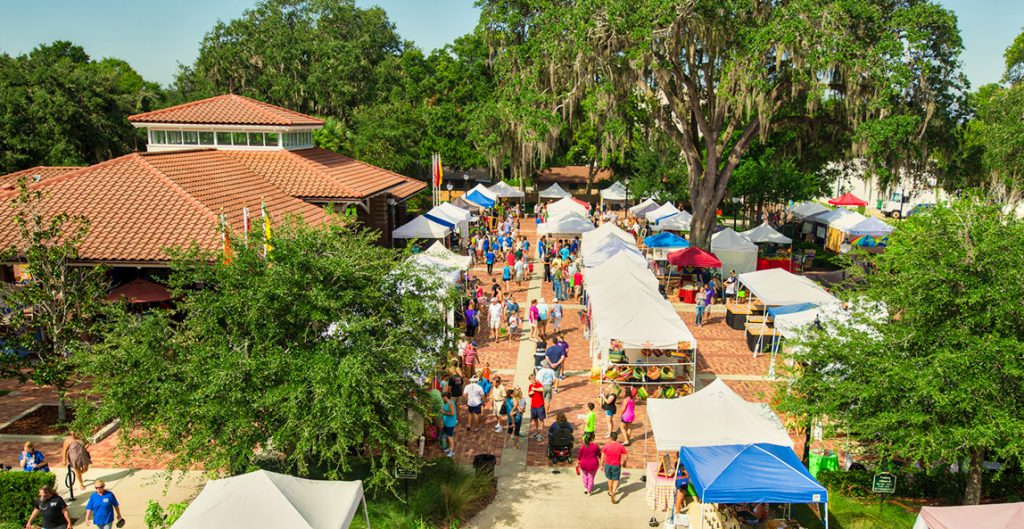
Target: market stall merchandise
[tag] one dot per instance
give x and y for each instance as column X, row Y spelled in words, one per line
column 554, row 192
column 838, row 228
column 990, row 516
column 734, row 251
column 262, row 499
column 503, row 190
column 641, row 209
column 422, row 227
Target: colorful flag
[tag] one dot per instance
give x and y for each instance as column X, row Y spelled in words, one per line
column 440, row 172
column 267, row 234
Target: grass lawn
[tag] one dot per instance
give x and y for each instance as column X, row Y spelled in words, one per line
column 852, row 513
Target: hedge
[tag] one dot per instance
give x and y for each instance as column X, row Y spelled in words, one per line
column 934, row 484
column 19, row 492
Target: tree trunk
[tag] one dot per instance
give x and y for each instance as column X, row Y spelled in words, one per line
column 702, row 226
column 972, row 494
column 591, row 171
column 62, row 407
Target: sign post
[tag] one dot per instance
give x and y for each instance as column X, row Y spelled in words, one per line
column 883, row 483
column 405, row 474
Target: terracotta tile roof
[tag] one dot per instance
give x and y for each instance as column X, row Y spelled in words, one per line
column 571, row 174
column 322, row 175
column 408, row 189
column 140, row 204
column 229, row 109
column 43, row 171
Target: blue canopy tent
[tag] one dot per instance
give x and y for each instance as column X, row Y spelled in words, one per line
column 480, row 198
column 438, row 220
column 666, row 240
column 750, row 473
column 790, row 309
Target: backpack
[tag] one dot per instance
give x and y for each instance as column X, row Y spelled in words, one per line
column 504, row 408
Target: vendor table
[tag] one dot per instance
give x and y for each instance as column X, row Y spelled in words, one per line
column 660, row 489
column 766, row 264
column 687, row 295
column 736, row 315
column 757, row 330
column 819, row 462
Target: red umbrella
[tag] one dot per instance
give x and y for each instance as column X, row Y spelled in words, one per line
column 848, row 199
column 694, row 256
column 582, row 203
column 140, row 291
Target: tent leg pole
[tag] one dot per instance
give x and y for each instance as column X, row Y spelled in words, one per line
column 826, row 515
column 366, row 513
column 702, row 514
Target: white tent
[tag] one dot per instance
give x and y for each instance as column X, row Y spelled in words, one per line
column 677, row 222
column 766, row 233
column 455, row 212
column 779, row 287
column 643, row 208
column 713, row 416
column 872, row 226
column 566, row 224
column 619, row 267
column 607, row 230
column 435, row 266
column 790, row 325
column 735, row 252
column 614, row 193
column 566, row 205
column 826, row 217
column 444, row 255
column 555, row 191
column 845, row 222
column 806, row 209
column 989, row 516
column 665, row 211
column 595, row 254
column 639, row 322
column 503, row 190
column 262, row 499
column 483, row 191
column 457, row 219
column 421, row 228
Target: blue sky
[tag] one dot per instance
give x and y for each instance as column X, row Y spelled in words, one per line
column 154, row 37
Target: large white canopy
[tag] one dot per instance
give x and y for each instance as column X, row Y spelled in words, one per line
column 713, row 416
column 483, row 191
column 872, row 226
column 779, row 287
column 644, row 207
column 619, row 267
column 826, row 217
column 790, row 325
column 614, row 193
column 595, row 254
column 444, row 255
column 663, row 212
column 766, row 233
column 806, row 209
column 266, row 500
column 989, row 516
column 421, row 228
column 636, row 317
column 845, row 222
column 457, row 219
column 677, row 222
column 735, row 251
column 567, row 224
column 454, row 211
column 555, row 191
column 503, row 190
column 607, row 230
column 566, row 205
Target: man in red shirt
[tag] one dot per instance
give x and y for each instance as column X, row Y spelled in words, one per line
column 615, row 458
column 537, row 414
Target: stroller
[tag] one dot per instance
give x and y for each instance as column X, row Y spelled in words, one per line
column 560, row 445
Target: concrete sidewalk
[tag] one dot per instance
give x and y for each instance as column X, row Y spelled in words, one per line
column 134, row 489
column 536, row 497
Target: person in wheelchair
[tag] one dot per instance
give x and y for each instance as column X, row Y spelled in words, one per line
column 560, row 439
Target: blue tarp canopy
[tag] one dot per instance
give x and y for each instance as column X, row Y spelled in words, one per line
column 750, row 473
column 666, row 240
column 790, row 309
column 438, row 220
column 480, row 198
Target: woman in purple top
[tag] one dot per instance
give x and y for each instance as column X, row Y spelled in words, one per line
column 472, row 321
column 588, row 461
column 628, row 416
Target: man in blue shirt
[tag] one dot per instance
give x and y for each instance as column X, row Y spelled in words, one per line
column 101, row 507
column 489, row 256
column 564, row 253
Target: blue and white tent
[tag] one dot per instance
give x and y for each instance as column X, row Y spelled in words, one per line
column 477, row 197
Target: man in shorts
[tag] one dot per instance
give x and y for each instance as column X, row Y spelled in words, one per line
column 474, row 394
column 537, row 413
column 615, row 457
column 494, row 319
column 546, row 376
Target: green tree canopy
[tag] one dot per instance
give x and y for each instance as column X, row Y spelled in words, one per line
column 59, row 107
column 931, row 365
column 719, row 74
column 310, row 356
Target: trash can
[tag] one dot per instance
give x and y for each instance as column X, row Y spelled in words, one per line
column 484, row 463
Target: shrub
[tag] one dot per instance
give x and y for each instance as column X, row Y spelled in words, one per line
column 19, row 492
column 158, row 518
column 934, row 484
